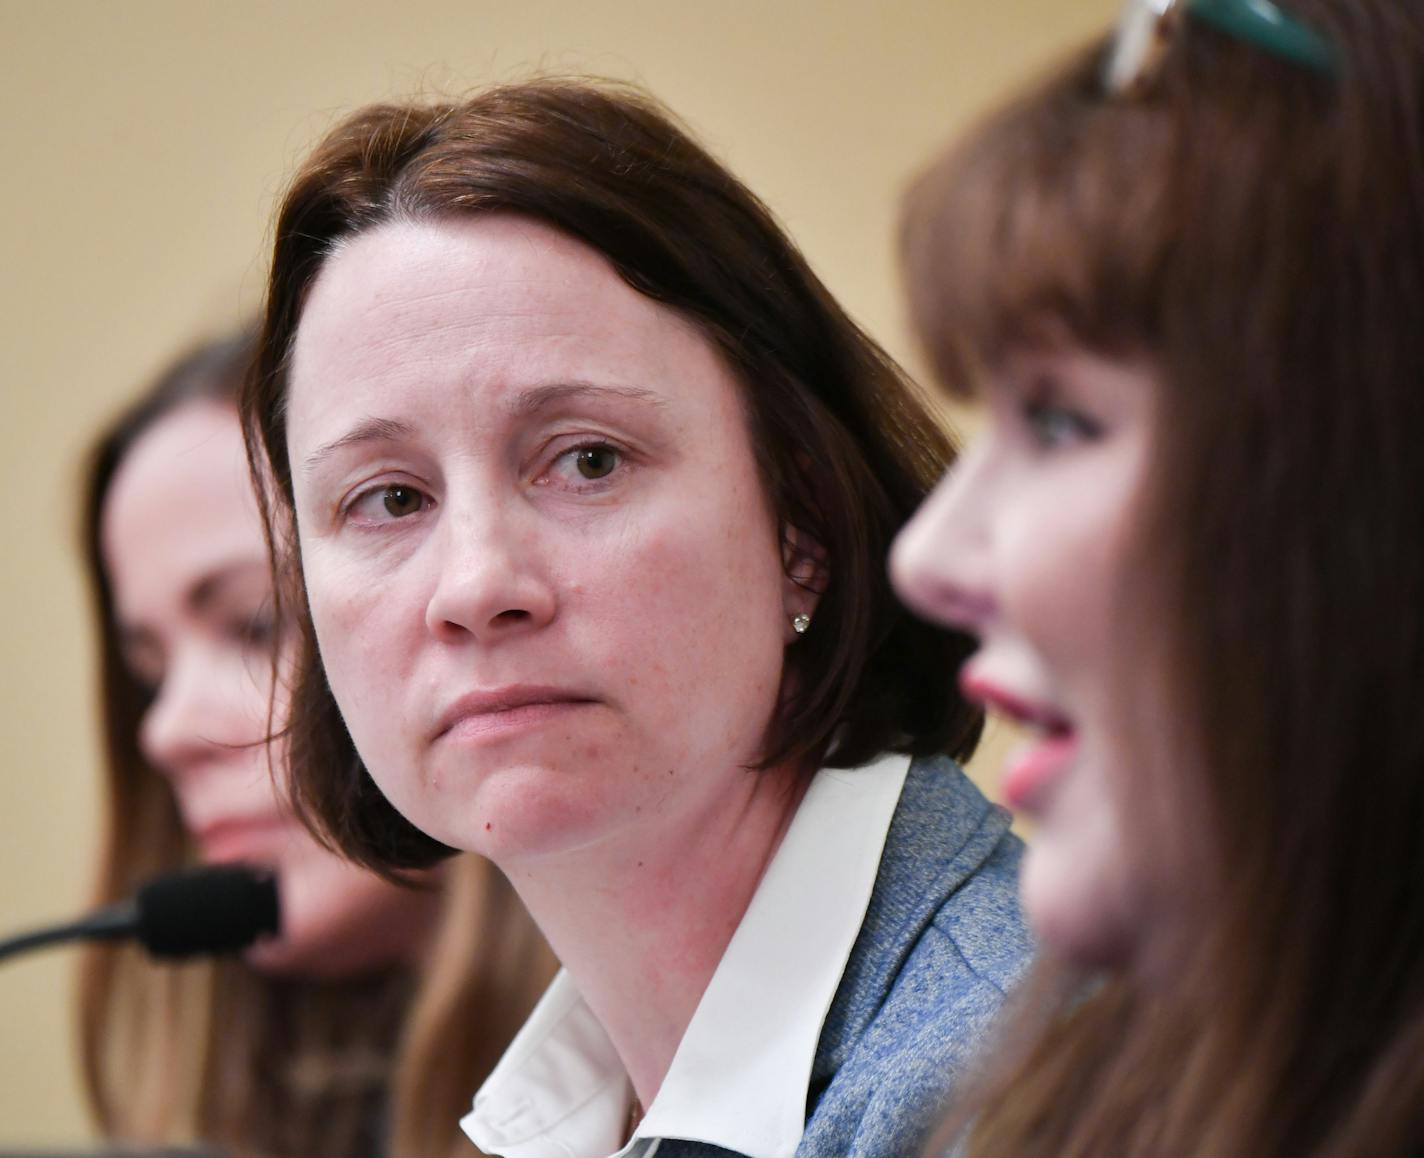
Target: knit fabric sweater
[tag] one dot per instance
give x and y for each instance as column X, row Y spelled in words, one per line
column 942, row 942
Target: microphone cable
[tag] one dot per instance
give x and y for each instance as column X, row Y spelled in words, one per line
column 201, row 911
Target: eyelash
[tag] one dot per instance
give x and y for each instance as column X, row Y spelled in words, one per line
column 257, row 632
column 352, row 512
column 1053, row 425
column 571, row 455
column 544, row 478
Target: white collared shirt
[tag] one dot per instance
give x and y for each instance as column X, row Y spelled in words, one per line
column 741, row 1072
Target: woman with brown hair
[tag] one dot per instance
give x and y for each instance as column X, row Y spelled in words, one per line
column 1185, row 275
column 358, row 1029
column 588, row 485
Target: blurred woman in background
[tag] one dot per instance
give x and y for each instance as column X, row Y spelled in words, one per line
column 361, row 1028
column 1185, row 275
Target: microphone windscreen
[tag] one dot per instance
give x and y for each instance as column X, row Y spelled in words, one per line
column 219, row 908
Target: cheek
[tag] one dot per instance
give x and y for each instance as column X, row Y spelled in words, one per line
column 1063, row 573
column 691, row 605
column 359, row 615
column 363, row 654
column 340, row 591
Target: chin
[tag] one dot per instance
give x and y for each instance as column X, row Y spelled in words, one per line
column 319, row 958
column 1074, row 920
column 526, row 811
column 279, row 957
column 339, row 920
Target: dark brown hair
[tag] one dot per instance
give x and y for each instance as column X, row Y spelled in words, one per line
column 256, row 1063
column 1254, row 231
column 845, row 446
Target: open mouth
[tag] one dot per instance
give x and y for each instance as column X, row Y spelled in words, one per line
column 1038, row 764
column 1035, row 768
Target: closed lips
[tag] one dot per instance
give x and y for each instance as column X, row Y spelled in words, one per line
column 494, row 703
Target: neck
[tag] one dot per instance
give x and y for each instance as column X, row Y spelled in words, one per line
column 642, row 922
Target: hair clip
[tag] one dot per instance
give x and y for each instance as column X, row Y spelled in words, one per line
column 1146, row 27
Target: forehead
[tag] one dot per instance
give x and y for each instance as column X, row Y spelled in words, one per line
column 180, row 505
column 492, row 302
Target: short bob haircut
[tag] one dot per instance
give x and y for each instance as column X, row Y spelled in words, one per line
column 846, row 446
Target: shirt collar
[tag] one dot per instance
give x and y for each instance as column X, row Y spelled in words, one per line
column 740, row 1075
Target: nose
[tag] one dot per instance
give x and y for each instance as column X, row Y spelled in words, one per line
column 940, row 563
column 490, row 583
column 197, row 717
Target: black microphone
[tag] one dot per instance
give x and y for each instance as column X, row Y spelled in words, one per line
column 221, row 908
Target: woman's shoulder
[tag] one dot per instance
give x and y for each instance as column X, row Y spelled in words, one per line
column 942, row 941
column 945, row 914
column 945, row 900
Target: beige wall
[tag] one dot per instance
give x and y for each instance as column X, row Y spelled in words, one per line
column 142, row 146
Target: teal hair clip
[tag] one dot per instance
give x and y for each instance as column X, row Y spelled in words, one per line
column 1147, row 25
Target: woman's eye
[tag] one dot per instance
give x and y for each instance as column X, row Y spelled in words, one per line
column 259, row 630
column 392, row 501
column 145, row 687
column 595, row 462
column 1053, row 425
column 400, row 501
column 591, row 462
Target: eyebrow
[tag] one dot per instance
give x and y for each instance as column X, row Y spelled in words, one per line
column 537, row 398
column 211, row 589
column 371, row 430
column 524, row 404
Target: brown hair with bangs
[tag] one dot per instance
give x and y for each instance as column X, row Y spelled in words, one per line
column 1255, row 230
column 1047, row 221
column 845, row 445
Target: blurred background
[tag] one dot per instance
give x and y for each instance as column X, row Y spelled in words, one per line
column 144, row 144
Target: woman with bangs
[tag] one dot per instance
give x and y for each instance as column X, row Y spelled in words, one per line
column 1184, row 275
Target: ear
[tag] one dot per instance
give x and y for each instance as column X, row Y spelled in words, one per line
column 803, row 562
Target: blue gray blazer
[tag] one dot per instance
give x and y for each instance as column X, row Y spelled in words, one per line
column 943, row 939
